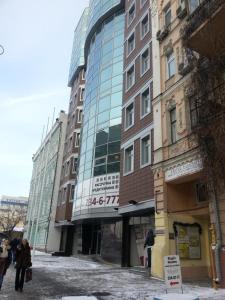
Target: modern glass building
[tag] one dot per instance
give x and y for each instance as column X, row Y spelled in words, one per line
column 77, row 56
column 97, row 189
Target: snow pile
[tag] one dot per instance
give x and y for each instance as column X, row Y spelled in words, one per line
column 56, row 262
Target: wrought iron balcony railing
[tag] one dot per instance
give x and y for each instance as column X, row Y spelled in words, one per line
column 204, row 11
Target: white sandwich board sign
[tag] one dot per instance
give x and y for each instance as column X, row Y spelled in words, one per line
column 173, row 279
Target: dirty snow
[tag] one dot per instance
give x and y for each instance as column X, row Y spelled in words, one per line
column 55, row 278
column 173, row 296
column 79, row 298
column 117, row 282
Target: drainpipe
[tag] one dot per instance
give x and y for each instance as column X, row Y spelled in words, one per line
column 218, row 235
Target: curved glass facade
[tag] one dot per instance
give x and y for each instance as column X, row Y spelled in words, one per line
column 99, row 167
column 97, row 9
column 77, row 56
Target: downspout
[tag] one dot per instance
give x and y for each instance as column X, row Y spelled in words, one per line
column 218, row 246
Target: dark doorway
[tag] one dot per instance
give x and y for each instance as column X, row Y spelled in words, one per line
column 91, row 239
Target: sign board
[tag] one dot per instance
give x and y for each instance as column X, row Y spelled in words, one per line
column 99, row 191
column 172, row 272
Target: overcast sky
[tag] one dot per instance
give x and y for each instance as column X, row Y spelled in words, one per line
column 37, row 37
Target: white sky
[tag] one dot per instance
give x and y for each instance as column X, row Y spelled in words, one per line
column 37, row 37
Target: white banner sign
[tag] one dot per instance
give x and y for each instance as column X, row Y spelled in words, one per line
column 172, row 272
column 99, row 191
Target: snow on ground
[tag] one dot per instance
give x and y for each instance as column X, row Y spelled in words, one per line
column 39, row 253
column 111, row 282
column 79, row 298
column 174, row 296
column 56, row 262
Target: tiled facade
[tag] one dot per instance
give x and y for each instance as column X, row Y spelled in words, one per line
column 68, row 178
column 136, row 184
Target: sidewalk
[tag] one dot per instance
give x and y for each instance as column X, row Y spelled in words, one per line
column 58, row 277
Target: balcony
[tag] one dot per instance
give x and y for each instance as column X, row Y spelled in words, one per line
column 205, row 29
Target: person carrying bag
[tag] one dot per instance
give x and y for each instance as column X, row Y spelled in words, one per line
column 23, row 262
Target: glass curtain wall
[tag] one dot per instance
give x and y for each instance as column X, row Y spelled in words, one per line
column 99, row 166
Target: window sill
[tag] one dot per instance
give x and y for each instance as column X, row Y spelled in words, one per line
column 128, row 54
column 142, row 37
column 145, row 115
column 128, row 173
column 127, row 128
column 170, row 81
column 145, row 165
column 128, row 89
column 142, row 74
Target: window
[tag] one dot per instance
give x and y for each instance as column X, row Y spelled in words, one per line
column 129, row 116
column 59, row 198
column 145, row 151
column 142, row 3
column 72, row 192
column 129, row 159
column 63, row 171
column 171, row 68
column 83, row 74
column 130, row 44
column 201, row 192
column 167, row 16
column 173, row 125
column 70, row 142
column 74, row 169
column 81, row 94
column 79, row 116
column 144, row 26
column 67, row 168
column 145, row 61
column 194, row 112
column 77, row 140
column 193, row 4
column 131, row 14
column 130, row 77
column 64, row 196
column 145, row 102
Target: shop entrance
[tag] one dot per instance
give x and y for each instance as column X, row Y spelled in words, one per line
column 91, row 237
column 135, row 231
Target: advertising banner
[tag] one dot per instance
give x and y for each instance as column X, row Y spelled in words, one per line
column 100, row 191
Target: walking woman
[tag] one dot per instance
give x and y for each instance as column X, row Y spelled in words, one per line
column 23, row 261
column 5, row 259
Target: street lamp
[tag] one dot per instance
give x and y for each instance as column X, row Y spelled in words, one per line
column 1, row 50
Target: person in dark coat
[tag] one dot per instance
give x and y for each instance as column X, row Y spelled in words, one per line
column 5, row 259
column 149, row 242
column 14, row 243
column 23, row 261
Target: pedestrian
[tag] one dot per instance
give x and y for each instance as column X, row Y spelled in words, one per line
column 5, row 259
column 149, row 242
column 23, row 261
column 14, row 243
